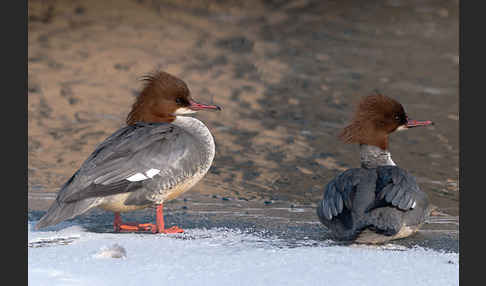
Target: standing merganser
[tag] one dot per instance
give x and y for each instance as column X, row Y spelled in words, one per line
column 379, row 201
column 159, row 155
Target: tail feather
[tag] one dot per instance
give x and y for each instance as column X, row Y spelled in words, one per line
column 60, row 211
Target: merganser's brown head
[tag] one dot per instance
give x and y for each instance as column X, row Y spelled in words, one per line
column 376, row 117
column 163, row 97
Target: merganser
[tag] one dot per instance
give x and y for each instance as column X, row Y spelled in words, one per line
column 159, row 155
column 379, row 201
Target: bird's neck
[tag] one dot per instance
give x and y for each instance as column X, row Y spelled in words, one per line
column 144, row 110
column 197, row 129
column 373, row 156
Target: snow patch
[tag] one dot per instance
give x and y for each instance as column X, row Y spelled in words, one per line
column 113, row 251
column 223, row 256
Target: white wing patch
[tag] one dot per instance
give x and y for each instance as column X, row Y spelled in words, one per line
column 152, row 172
column 413, row 205
column 136, row 177
column 140, row 177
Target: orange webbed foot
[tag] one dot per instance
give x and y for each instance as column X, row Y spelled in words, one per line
column 158, row 227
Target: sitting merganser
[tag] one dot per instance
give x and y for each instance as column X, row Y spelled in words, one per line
column 379, row 201
column 159, row 155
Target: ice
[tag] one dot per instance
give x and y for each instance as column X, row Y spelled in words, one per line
column 219, row 256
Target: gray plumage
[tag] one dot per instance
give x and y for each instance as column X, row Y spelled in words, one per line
column 382, row 199
column 176, row 152
column 379, row 201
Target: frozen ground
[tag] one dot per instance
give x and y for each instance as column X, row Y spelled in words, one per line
column 219, row 256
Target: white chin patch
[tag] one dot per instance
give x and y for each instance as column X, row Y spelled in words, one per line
column 401, row 128
column 184, row 110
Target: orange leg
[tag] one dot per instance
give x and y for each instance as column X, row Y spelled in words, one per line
column 158, row 227
column 160, row 222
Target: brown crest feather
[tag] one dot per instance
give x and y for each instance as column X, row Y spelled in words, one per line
column 369, row 125
column 149, row 105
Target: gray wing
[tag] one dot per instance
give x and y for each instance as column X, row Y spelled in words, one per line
column 134, row 150
column 397, row 187
column 338, row 194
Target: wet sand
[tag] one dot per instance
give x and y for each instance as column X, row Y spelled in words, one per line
column 287, row 74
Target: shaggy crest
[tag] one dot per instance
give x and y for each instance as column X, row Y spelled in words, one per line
column 158, row 85
column 376, row 117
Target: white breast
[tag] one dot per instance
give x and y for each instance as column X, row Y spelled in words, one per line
column 202, row 133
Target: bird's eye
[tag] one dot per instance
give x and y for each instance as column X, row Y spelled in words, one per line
column 179, row 100
column 397, row 118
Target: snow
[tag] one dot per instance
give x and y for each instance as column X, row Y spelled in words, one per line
column 219, row 256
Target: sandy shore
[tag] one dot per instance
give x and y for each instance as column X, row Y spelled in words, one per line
column 287, row 74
